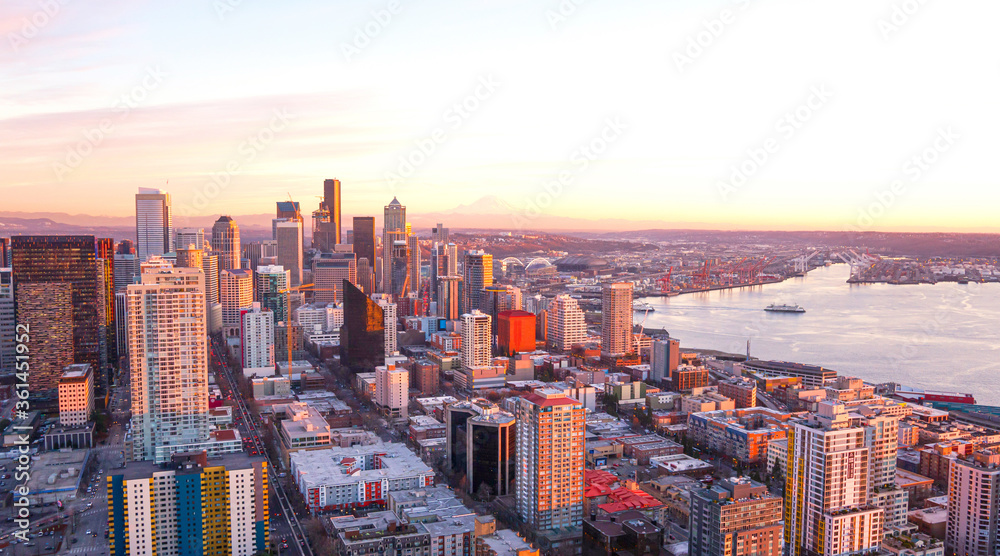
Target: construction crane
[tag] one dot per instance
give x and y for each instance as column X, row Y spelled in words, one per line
column 665, row 283
column 801, row 263
column 701, row 276
column 288, row 312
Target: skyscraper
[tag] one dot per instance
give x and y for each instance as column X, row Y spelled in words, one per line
column 616, row 318
column 126, row 271
column 389, row 321
column 476, row 344
column 251, row 254
column 47, row 310
column 664, row 358
column 366, row 276
column 566, row 323
column 289, row 238
column 481, row 443
column 550, row 460
column 331, row 196
column 210, row 266
column 125, row 247
column 168, row 352
column 286, row 210
column 413, row 247
column 439, row 233
column 154, row 225
column 449, row 298
column 364, row 247
column 257, row 337
column 478, row 273
column 393, row 230
column 190, row 236
column 400, row 269
column 7, row 321
column 736, row 517
column 235, row 294
column 827, row 497
column 329, row 270
column 226, row 242
column 498, row 298
column 71, row 260
column 270, row 283
column 362, row 337
column 4, row 252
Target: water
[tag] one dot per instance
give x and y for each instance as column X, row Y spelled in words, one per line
column 943, row 336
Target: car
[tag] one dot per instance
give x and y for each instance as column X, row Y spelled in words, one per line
column 75, row 540
column 88, row 532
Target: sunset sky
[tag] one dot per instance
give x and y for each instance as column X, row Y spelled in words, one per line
column 618, row 99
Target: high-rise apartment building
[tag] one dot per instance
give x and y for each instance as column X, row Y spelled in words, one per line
column 362, row 337
column 389, row 323
column 8, row 323
column 974, row 504
column 392, row 388
column 736, row 517
column 154, row 225
column 187, row 237
column 76, row 395
column 477, row 272
column 476, row 345
column 257, row 337
column 289, row 237
column 235, row 294
column 190, row 505
column 550, row 459
column 393, row 230
column 616, row 318
column 449, row 298
column 226, row 243
column 72, row 260
column 566, row 323
column 329, row 270
column 828, row 508
column 168, row 354
column 270, row 285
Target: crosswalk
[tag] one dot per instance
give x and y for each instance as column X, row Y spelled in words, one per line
column 79, row 550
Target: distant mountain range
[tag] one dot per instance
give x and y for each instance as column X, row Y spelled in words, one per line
column 487, row 213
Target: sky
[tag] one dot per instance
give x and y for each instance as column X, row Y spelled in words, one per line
column 748, row 114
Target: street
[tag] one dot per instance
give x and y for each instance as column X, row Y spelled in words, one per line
column 284, row 524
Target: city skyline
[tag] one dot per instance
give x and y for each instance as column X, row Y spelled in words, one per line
column 662, row 112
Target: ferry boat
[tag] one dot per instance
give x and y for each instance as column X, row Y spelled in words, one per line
column 774, row 308
column 642, row 306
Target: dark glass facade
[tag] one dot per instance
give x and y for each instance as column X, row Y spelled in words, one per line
column 362, row 338
column 72, row 260
column 364, row 238
column 492, row 454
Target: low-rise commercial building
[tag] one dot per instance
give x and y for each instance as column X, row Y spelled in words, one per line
column 344, row 478
column 742, row 434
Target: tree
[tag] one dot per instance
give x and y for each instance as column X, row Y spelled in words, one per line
column 484, row 492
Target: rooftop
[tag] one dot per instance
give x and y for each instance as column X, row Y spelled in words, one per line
column 330, row 466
